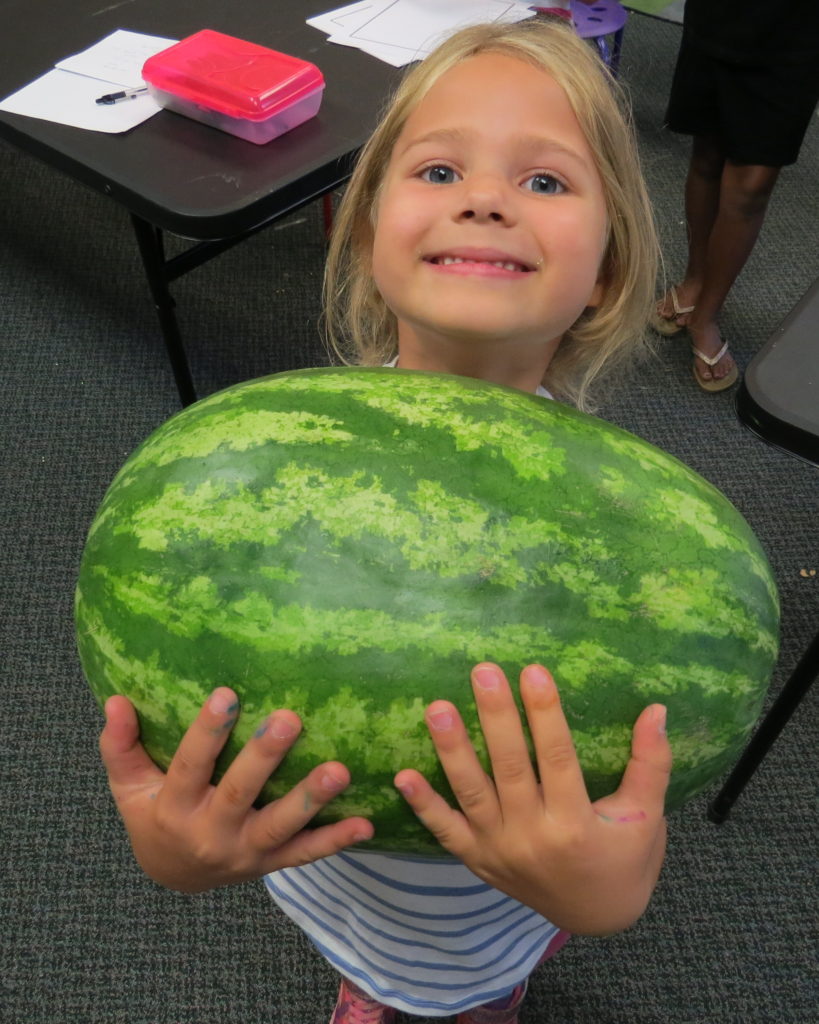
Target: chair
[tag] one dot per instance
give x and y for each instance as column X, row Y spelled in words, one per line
column 604, row 19
column 779, row 402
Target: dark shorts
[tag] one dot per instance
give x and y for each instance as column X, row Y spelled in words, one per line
column 758, row 115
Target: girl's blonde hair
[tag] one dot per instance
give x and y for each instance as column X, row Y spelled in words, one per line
column 362, row 330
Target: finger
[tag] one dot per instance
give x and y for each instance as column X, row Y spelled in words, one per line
column 473, row 788
column 123, row 756
column 512, row 770
column 314, row 844
column 277, row 823
column 561, row 779
column 241, row 784
column 191, row 768
column 450, row 827
column 648, row 771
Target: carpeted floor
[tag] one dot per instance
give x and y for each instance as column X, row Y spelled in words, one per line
column 731, row 936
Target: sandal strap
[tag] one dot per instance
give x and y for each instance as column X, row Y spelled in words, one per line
column 710, row 360
column 675, row 302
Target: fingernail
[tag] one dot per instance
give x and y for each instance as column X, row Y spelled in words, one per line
column 660, row 713
column 223, row 701
column 282, row 727
column 441, row 720
column 406, row 789
column 332, row 783
column 538, row 677
column 486, row 677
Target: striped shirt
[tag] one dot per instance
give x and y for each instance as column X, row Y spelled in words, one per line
column 424, row 935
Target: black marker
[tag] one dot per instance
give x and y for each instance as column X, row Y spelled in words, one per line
column 126, row 94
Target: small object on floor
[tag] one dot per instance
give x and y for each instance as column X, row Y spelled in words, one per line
column 354, row 1006
column 715, row 384
column 488, row 1015
column 667, row 325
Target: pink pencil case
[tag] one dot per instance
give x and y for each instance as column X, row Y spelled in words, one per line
column 236, row 86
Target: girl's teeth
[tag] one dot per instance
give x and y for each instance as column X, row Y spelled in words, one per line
column 448, row 260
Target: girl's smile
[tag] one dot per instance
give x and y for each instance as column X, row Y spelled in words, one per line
column 489, row 262
column 491, row 224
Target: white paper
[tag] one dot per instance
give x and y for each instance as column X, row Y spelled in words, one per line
column 66, row 97
column 72, row 99
column 419, row 25
column 348, row 18
column 395, row 55
column 117, row 58
column 338, row 24
column 401, row 31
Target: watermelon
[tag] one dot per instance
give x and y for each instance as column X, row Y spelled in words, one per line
column 348, row 543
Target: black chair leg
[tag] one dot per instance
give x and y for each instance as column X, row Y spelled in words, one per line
column 772, row 724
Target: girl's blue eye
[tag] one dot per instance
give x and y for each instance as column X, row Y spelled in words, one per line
column 545, row 184
column 438, row 174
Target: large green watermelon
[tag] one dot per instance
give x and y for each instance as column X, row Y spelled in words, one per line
column 349, row 543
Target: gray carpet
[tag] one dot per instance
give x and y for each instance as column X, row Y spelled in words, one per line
column 731, row 935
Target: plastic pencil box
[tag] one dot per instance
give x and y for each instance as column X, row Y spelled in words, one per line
column 235, row 86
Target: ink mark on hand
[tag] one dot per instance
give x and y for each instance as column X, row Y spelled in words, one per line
column 623, row 819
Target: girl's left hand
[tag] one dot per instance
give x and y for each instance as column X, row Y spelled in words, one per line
column 589, row 868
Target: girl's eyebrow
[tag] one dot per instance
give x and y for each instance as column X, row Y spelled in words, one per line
column 523, row 143
column 438, row 135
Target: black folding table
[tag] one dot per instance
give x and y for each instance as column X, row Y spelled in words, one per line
column 172, row 174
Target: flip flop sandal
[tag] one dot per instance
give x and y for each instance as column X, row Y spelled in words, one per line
column 720, row 384
column 667, row 325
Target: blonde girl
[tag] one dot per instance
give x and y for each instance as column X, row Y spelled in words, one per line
column 496, row 227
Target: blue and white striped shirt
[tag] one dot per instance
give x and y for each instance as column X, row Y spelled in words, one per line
column 424, row 935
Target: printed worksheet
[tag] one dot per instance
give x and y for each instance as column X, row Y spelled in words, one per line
column 117, row 58
column 401, row 31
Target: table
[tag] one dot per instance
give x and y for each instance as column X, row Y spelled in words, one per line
column 172, row 174
column 779, row 401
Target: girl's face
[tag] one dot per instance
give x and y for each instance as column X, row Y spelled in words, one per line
column 491, row 225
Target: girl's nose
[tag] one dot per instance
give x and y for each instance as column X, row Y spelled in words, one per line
column 485, row 200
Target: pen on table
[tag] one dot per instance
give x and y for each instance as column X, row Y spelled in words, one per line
column 126, row 94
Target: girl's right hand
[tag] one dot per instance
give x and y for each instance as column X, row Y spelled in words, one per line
column 190, row 835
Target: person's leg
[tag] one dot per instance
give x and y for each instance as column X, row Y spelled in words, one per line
column 702, row 200
column 505, row 1009
column 355, row 1006
column 744, row 192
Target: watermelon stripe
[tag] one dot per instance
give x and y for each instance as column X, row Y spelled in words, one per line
column 439, row 535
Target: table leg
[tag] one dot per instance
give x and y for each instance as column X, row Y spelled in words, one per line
column 149, row 239
column 772, row 724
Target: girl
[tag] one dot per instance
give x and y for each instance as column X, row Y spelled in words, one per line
column 496, row 226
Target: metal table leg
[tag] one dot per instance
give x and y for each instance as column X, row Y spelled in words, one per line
column 149, row 239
